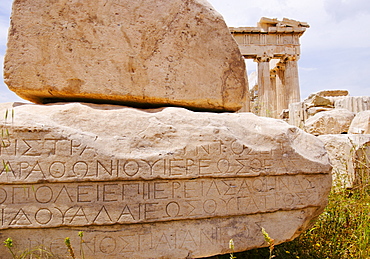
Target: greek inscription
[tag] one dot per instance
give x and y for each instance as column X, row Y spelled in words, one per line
column 7, row 169
column 131, row 168
column 3, row 195
column 107, row 245
column 106, row 203
column 223, row 166
column 102, row 216
column 36, row 169
column 43, row 216
column 84, row 193
column 163, row 242
column 80, row 168
column 57, row 169
column 102, row 169
column 20, row 219
column 132, row 240
column 33, row 147
column 43, row 194
column 217, row 158
column 126, row 212
column 110, row 192
column 173, row 209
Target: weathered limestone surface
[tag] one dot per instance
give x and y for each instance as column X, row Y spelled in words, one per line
column 361, row 123
column 353, row 103
column 330, row 93
column 166, row 183
column 314, row 110
column 318, row 101
column 180, row 53
column 336, row 121
column 350, row 157
column 297, row 114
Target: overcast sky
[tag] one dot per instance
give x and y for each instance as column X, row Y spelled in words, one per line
column 335, row 50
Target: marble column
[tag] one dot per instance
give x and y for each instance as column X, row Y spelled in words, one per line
column 281, row 93
column 265, row 94
column 291, row 78
column 273, row 85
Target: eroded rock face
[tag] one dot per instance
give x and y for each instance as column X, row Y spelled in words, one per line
column 137, row 53
column 336, row 121
column 361, row 123
column 164, row 183
column 354, row 104
column 350, row 156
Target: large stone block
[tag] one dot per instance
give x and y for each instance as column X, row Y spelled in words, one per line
column 350, row 156
column 137, row 53
column 353, row 103
column 166, row 183
column 336, row 121
column 361, row 123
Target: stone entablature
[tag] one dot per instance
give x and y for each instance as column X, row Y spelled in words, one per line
column 272, row 37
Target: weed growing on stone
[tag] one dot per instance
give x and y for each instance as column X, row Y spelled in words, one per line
column 231, row 246
column 37, row 253
column 269, row 241
column 67, row 242
column 81, row 235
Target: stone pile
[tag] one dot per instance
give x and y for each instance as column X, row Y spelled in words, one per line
column 154, row 183
column 342, row 122
column 331, row 112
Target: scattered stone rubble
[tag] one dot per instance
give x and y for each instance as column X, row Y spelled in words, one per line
column 327, row 101
column 342, row 122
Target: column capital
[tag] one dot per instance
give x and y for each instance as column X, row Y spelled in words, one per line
column 289, row 57
column 280, row 65
column 263, row 58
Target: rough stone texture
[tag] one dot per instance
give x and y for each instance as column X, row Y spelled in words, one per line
column 314, row 110
column 361, row 123
column 330, row 93
column 350, row 158
column 180, row 53
column 320, row 101
column 166, row 183
column 336, row 121
column 354, row 103
column 297, row 114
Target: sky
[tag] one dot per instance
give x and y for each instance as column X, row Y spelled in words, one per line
column 335, row 50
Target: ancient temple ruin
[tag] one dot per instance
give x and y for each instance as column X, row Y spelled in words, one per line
column 275, row 46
